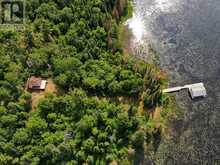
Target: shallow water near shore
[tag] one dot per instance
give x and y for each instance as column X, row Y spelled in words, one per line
column 186, row 35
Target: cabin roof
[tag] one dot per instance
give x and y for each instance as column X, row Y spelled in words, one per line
column 34, row 82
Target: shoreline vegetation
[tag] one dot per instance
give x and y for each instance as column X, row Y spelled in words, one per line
column 160, row 117
column 103, row 106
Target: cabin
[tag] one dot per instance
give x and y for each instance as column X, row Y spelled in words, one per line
column 197, row 90
column 36, row 83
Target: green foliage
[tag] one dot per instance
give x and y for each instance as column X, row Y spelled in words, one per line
column 152, row 96
column 138, row 139
column 76, row 44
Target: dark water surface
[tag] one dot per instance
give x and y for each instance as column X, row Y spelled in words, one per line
column 186, row 34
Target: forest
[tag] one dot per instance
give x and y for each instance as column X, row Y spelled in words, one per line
column 75, row 43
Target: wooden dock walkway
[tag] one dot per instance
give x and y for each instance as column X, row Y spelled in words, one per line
column 171, row 90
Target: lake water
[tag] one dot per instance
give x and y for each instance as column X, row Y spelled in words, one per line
column 186, row 35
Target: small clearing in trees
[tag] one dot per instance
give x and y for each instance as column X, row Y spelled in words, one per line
column 38, row 95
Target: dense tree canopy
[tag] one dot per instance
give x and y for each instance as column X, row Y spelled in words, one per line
column 74, row 42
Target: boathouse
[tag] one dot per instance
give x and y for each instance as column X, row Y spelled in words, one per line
column 195, row 90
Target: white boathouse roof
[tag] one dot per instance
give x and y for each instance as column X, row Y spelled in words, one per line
column 197, row 90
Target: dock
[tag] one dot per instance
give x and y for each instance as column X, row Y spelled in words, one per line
column 174, row 89
column 195, row 90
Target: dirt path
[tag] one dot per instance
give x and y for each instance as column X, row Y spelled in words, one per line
column 156, row 114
